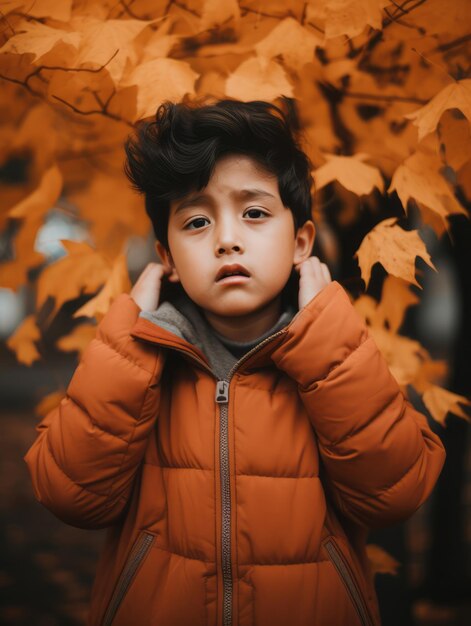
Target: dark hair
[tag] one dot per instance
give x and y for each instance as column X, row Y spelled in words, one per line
column 175, row 153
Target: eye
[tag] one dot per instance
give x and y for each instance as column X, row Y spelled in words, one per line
column 262, row 213
column 196, row 221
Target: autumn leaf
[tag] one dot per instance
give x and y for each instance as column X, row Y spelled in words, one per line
column 215, row 13
column 440, row 402
column 396, row 249
column 381, row 562
column 258, row 79
column 31, row 212
column 78, row 339
column 454, row 138
column 38, row 121
column 389, row 312
column 419, row 178
column 43, row 197
column 22, row 341
column 396, row 298
column 82, row 271
column 293, row 42
column 159, row 44
column 107, row 42
column 159, row 80
column 103, row 195
column 350, row 172
column 38, row 39
column 347, row 17
column 454, row 96
column 49, row 402
column 403, row 355
column 118, row 282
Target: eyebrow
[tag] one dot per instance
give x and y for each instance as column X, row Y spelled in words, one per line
column 243, row 194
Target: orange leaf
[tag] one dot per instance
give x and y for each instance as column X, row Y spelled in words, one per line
column 22, row 341
column 49, row 402
column 454, row 96
column 78, row 339
column 159, row 43
column 258, row 79
column 347, row 17
column 108, row 42
column 394, row 248
column 292, row 41
column 381, row 562
column 419, row 178
column 350, row 172
column 43, row 197
column 110, row 228
column 159, row 80
column 38, row 39
column 31, row 210
column 396, row 297
column 216, row 13
column 403, row 355
column 118, row 282
column 440, row 402
column 83, row 270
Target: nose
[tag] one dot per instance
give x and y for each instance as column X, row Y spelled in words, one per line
column 228, row 238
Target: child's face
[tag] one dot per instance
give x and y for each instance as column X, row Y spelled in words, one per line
column 225, row 225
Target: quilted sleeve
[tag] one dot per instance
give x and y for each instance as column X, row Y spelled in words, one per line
column 381, row 458
column 89, row 448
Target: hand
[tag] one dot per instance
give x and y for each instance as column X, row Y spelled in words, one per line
column 146, row 291
column 314, row 275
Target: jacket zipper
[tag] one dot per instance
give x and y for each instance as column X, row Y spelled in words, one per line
column 137, row 555
column 348, row 579
column 222, row 398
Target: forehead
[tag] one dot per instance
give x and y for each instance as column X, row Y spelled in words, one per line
column 231, row 165
column 239, row 176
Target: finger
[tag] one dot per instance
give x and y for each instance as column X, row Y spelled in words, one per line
column 326, row 273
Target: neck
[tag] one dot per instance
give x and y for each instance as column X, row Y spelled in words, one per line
column 246, row 327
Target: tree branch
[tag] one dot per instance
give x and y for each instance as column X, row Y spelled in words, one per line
column 101, row 111
column 444, row 47
column 381, row 98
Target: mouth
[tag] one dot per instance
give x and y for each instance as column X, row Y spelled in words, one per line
column 233, row 280
column 232, row 274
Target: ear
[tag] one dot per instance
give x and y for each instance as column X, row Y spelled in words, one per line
column 167, row 261
column 304, row 240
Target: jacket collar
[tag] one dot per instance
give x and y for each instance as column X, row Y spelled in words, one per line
column 178, row 323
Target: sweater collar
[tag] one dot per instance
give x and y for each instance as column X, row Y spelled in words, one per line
column 182, row 317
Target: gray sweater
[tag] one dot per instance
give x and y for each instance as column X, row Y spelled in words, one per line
column 185, row 319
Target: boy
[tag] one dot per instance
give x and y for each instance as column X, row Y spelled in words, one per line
column 239, row 436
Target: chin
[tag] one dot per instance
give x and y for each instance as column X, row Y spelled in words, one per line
column 237, row 309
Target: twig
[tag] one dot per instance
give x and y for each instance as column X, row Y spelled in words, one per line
column 444, row 47
column 385, row 98
column 433, row 63
column 93, row 111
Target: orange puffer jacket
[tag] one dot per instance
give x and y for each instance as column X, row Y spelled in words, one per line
column 244, row 501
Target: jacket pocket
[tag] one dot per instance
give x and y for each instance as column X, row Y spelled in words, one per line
column 136, row 557
column 348, row 579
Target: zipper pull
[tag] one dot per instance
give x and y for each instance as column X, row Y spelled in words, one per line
column 222, row 391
